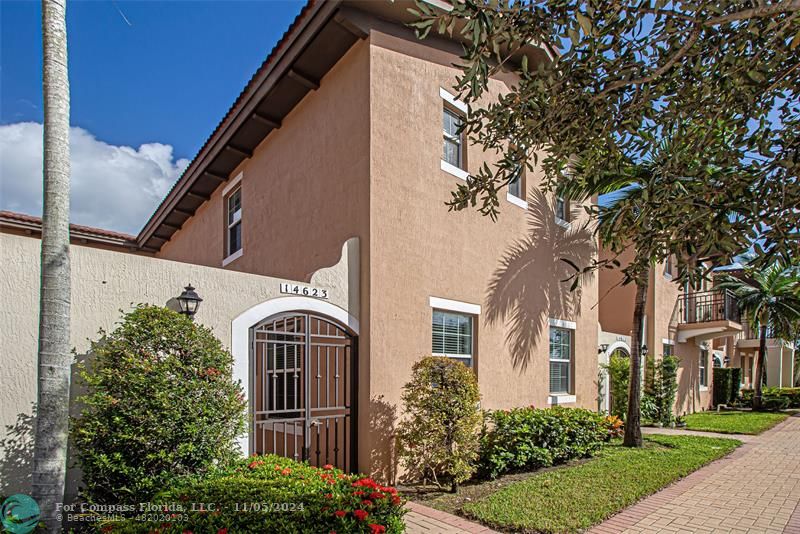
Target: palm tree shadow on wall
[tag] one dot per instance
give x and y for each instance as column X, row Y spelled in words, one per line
column 532, row 281
column 382, row 421
column 16, row 454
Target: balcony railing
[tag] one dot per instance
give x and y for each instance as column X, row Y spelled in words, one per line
column 707, row 306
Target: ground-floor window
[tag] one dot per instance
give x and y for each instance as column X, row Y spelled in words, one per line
column 560, row 360
column 452, row 336
column 703, row 369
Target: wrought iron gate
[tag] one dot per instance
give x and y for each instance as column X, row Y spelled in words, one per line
column 303, row 389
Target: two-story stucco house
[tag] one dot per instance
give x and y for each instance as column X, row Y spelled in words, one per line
column 350, row 130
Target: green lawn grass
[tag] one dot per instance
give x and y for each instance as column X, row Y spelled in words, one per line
column 734, row 422
column 576, row 497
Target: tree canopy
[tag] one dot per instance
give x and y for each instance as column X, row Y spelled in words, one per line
column 721, row 79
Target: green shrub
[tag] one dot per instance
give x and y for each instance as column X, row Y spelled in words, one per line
column 723, row 385
column 774, row 403
column 618, row 369
column 779, row 398
column 273, row 494
column 649, row 408
column 439, row 438
column 160, row 403
column 530, row 438
column 665, row 386
column 736, row 383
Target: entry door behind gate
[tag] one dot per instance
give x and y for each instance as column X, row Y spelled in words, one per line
column 303, row 367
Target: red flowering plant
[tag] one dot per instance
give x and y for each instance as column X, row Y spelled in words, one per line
column 276, row 494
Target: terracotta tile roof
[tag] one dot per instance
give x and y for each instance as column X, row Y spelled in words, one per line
column 7, row 218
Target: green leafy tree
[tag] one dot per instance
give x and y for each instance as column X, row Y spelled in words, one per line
column 440, row 436
column 724, row 77
column 770, row 299
column 160, row 402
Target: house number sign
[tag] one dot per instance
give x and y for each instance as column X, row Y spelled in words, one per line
column 306, row 291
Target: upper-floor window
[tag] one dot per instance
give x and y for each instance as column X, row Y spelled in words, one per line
column 452, row 336
column 234, row 220
column 668, row 267
column 452, row 151
column 516, row 186
column 560, row 360
column 562, row 209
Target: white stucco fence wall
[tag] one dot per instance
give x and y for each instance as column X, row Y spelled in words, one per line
column 105, row 282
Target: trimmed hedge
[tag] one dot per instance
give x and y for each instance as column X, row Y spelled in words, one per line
column 724, row 390
column 530, row 438
column 271, row 494
column 774, row 398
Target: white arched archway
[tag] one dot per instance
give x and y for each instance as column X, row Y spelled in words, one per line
column 240, row 335
column 606, row 393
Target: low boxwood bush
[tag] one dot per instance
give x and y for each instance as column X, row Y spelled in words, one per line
column 530, row 438
column 270, row 494
column 160, row 403
column 439, row 437
column 778, row 398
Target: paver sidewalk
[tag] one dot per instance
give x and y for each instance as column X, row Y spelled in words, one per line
column 424, row 520
column 754, row 489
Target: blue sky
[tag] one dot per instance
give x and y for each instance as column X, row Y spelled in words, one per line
column 149, row 82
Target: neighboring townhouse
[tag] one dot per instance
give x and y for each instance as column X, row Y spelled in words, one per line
column 741, row 350
column 324, row 188
column 698, row 326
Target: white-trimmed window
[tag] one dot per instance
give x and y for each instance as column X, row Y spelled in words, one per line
column 516, row 185
column 668, row 267
column 452, row 150
column 562, row 209
column 703, row 372
column 561, row 345
column 452, row 335
column 667, row 349
column 233, row 241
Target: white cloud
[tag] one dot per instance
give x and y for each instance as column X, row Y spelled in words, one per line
column 113, row 187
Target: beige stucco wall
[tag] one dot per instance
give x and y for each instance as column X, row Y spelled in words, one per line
column 420, row 250
column 103, row 283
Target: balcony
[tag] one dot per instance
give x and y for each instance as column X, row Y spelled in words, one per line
column 707, row 315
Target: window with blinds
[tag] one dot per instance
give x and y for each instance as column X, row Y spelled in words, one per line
column 452, row 336
column 452, row 151
column 560, row 360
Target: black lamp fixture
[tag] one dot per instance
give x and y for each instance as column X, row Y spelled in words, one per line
column 603, row 348
column 644, row 350
column 189, row 301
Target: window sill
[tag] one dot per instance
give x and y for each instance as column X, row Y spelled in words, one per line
column 233, row 257
column 517, row 201
column 703, row 388
column 563, row 224
column 668, row 276
column 455, row 171
column 561, row 398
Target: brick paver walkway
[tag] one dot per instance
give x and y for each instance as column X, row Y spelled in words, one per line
column 424, row 520
column 754, row 489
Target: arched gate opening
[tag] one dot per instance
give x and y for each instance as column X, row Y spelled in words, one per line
column 303, row 389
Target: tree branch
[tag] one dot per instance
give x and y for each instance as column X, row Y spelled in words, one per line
column 756, row 12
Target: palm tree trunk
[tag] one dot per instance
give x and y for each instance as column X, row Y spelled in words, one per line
column 50, row 450
column 633, row 430
column 761, row 357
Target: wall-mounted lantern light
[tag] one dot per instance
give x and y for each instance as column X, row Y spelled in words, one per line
column 189, row 301
column 644, row 350
column 603, row 348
